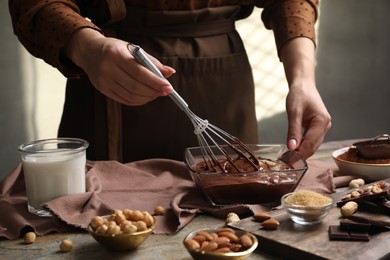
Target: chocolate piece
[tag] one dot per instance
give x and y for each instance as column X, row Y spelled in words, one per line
column 335, row 233
column 382, row 201
column 369, row 220
column 350, row 225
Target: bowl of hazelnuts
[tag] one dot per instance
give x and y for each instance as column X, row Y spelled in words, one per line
column 122, row 230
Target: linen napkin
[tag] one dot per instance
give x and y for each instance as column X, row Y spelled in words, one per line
column 139, row 185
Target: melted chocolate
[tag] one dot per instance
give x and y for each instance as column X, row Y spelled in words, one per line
column 248, row 187
column 246, row 184
column 242, row 165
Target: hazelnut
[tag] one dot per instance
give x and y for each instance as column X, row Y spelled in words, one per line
column 29, row 238
column 66, row 245
column 159, row 210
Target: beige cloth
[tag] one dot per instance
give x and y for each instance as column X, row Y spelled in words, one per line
column 138, row 185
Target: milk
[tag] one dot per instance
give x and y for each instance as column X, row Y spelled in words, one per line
column 49, row 176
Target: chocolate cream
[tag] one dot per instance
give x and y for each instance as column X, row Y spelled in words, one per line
column 250, row 186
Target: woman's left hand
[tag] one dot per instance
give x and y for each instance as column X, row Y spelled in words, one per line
column 308, row 118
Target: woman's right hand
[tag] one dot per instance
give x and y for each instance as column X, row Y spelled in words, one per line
column 114, row 71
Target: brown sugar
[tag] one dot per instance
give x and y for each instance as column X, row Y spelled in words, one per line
column 307, row 198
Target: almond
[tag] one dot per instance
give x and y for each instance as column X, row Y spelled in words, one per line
column 223, row 250
column 231, row 236
column 270, row 224
column 226, row 229
column 212, row 246
column 206, row 235
column 246, row 241
column 260, row 217
column 193, row 244
column 199, row 238
column 221, row 240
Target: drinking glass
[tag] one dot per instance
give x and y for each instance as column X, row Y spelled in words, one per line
column 52, row 168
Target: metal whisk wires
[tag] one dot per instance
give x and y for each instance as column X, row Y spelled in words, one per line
column 209, row 136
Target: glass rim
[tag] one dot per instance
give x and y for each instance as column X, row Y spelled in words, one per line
column 24, row 148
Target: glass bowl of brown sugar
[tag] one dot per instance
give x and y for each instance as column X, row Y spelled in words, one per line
column 307, row 207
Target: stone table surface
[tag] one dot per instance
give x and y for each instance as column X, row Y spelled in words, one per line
column 155, row 247
column 85, row 247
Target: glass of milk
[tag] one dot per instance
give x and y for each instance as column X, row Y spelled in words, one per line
column 52, row 168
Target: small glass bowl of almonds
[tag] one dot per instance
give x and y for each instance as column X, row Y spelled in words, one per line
column 123, row 229
column 225, row 243
column 307, row 207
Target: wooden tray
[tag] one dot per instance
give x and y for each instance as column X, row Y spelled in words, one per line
column 294, row 241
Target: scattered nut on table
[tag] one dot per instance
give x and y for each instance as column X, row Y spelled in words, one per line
column 266, row 220
column 356, row 183
column 260, row 217
column 270, row 224
column 29, row 237
column 349, row 208
column 159, row 210
column 66, row 245
column 231, row 218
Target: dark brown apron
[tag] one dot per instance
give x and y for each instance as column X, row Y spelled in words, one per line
column 213, row 75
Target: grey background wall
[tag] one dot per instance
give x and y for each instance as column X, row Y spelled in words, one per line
column 352, row 75
column 353, row 71
column 354, row 66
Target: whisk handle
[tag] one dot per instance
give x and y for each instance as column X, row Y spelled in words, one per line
column 141, row 57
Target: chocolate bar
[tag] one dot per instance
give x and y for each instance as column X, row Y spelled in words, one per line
column 382, row 201
column 350, row 225
column 374, row 191
column 369, row 220
column 336, row 233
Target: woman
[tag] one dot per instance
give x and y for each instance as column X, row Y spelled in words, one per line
column 120, row 107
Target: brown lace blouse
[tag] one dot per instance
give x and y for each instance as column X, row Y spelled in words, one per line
column 45, row 26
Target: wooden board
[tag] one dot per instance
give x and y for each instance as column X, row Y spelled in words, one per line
column 294, row 241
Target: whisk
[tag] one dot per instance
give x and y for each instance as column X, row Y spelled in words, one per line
column 208, row 135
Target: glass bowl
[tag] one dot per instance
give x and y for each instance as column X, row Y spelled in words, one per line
column 258, row 187
column 307, row 215
column 199, row 254
column 122, row 242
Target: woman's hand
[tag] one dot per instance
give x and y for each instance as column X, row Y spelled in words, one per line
column 308, row 118
column 113, row 71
